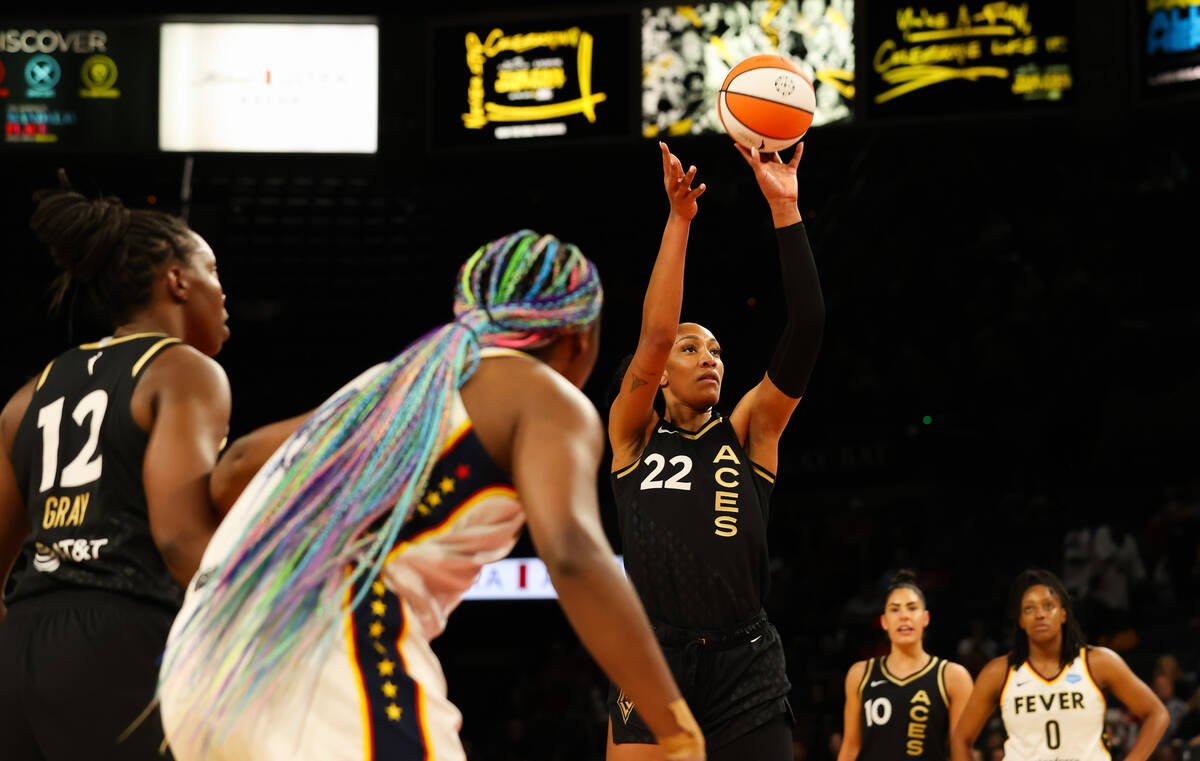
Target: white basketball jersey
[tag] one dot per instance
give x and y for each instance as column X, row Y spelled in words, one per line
column 1057, row 719
column 378, row 692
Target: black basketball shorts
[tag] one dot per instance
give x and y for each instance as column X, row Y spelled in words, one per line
column 80, row 666
column 734, row 682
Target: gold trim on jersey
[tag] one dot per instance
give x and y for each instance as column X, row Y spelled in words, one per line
column 1087, row 669
column 458, row 512
column 359, row 684
column 941, row 680
column 104, row 343
column 137, row 366
column 763, row 473
column 862, row 685
column 406, row 615
column 45, row 373
column 933, row 659
column 455, row 436
column 630, row 469
column 707, row 427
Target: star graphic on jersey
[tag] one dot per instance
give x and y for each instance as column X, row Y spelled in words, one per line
column 378, row 608
column 389, row 690
column 462, row 471
column 394, row 711
column 378, row 588
column 376, row 629
column 386, row 667
column 447, row 485
column 433, row 499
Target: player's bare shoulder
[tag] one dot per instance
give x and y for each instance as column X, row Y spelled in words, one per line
column 507, row 391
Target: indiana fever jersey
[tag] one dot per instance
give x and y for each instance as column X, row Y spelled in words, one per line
column 693, row 514
column 378, row 691
column 904, row 718
column 78, row 458
column 1057, row 719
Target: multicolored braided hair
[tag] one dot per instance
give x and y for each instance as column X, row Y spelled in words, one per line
column 354, row 470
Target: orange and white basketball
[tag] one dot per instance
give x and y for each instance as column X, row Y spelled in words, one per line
column 767, row 102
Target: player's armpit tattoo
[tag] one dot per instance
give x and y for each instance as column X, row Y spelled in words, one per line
column 635, row 383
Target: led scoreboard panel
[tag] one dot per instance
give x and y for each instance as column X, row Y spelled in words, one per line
column 965, row 58
column 688, row 50
column 505, row 79
column 269, row 87
column 80, row 85
column 1169, row 43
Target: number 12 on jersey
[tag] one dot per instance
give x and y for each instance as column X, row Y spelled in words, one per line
column 86, row 466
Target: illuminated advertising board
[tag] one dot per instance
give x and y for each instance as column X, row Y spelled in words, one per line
column 1169, row 43
column 948, row 58
column 269, row 87
column 516, row 579
column 688, row 50
column 84, row 85
column 502, row 80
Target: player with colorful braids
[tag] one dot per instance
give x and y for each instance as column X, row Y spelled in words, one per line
column 306, row 632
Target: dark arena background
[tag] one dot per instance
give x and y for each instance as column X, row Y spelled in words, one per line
column 1008, row 377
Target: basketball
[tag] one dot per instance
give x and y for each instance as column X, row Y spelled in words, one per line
column 767, row 103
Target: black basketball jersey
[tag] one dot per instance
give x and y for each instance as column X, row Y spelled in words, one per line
column 904, row 718
column 693, row 515
column 78, row 458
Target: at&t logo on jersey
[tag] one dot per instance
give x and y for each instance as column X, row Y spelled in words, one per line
column 49, row 558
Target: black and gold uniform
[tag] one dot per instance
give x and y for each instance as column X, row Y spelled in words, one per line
column 693, row 514
column 904, row 718
column 90, row 601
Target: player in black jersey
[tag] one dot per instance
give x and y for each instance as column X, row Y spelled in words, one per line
column 104, row 508
column 903, row 705
column 692, row 486
column 480, row 414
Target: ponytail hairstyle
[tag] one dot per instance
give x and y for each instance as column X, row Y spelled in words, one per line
column 1072, row 635
column 105, row 250
column 336, row 508
column 904, row 579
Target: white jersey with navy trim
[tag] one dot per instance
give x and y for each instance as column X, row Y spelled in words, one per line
column 378, row 691
column 1056, row 719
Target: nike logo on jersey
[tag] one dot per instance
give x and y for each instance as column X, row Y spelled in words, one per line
column 756, row 639
column 1021, row 684
column 664, row 430
column 876, row 684
column 92, row 361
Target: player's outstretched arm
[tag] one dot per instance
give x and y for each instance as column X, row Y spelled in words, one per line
column 192, row 403
column 245, row 457
column 557, row 446
column 14, row 526
column 851, row 728
column 761, row 416
column 1111, row 671
column 633, row 407
column 984, row 697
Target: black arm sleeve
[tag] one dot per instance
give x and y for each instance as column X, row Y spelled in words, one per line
column 796, row 353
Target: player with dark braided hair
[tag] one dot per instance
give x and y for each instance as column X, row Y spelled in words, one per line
column 903, row 704
column 306, row 634
column 1050, row 687
column 104, row 500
